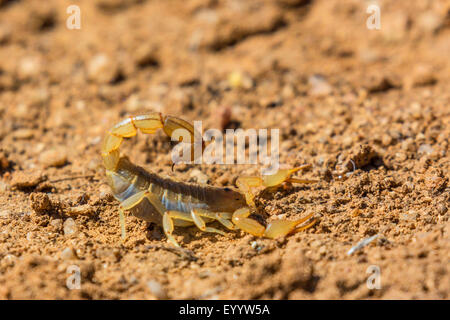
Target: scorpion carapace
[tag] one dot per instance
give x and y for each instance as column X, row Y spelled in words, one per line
column 171, row 203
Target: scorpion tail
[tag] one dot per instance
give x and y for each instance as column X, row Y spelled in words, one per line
column 147, row 124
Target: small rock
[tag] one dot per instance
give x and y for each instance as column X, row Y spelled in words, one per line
column 382, row 84
column 409, row 216
column 57, row 224
column 322, row 250
column 10, row 259
column 4, row 162
column 4, row 214
column 53, row 158
column 386, row 140
column 199, row 176
column 70, row 227
column 422, row 75
column 23, row 180
column 257, row 246
column 319, row 85
column 441, row 208
column 5, row 32
column 145, row 55
column 40, row 203
column 360, row 157
column 84, row 209
column 156, row 234
column 425, row 149
column 429, row 21
column 401, row 156
column 408, row 145
column 68, row 254
column 29, row 67
column 395, row 26
column 29, row 236
column 105, row 193
column 223, row 180
column 23, row 134
column 271, row 101
column 316, row 244
column 237, row 79
column 4, row 186
column 157, row 289
column 108, row 254
column 102, row 69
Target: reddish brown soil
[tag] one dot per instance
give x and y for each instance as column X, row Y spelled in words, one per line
column 382, row 103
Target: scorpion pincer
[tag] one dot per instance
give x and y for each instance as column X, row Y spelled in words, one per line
column 171, row 203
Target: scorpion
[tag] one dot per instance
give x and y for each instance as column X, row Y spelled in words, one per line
column 169, row 203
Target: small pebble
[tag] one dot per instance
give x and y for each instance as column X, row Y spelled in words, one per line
column 23, row 134
column 322, row 250
column 386, row 140
column 157, row 289
column 40, row 203
column 256, row 245
column 29, row 67
column 5, row 214
column 319, row 85
column 84, row 209
column 316, row 244
column 4, row 162
column 68, row 254
column 425, row 149
column 10, row 259
column 108, row 254
column 56, row 223
column 145, row 55
column 442, row 209
column 29, row 236
column 105, row 193
column 70, row 227
column 199, row 176
column 53, row 158
column 237, row 79
column 430, row 21
column 23, row 180
column 102, row 69
column 4, row 186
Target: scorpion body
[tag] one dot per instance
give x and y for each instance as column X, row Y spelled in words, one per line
column 170, row 203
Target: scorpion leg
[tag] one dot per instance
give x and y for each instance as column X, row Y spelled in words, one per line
column 246, row 184
column 281, row 228
column 168, row 225
column 128, row 204
column 200, row 223
column 168, row 228
column 133, row 201
column 222, row 217
column 241, row 220
column 276, row 228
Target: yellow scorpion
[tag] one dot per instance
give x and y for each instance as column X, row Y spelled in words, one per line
column 170, row 203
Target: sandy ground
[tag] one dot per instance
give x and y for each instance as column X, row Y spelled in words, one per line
column 368, row 109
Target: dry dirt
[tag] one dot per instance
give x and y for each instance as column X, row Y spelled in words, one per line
column 369, row 109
